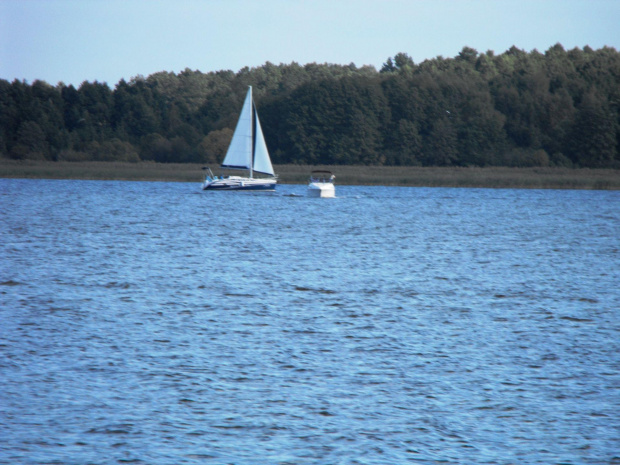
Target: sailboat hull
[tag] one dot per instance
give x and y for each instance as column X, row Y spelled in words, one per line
column 238, row 183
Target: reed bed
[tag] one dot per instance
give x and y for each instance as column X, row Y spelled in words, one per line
column 494, row 177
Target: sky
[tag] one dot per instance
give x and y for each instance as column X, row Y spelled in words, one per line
column 72, row 41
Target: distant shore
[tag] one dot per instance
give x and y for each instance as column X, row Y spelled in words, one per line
column 493, row 177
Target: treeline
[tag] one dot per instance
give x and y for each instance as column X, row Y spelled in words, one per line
column 521, row 109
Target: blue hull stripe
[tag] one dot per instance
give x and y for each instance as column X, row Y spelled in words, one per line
column 260, row 187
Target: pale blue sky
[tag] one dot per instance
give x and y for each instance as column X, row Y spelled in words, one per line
column 72, row 41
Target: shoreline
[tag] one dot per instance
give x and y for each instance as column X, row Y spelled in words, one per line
column 405, row 176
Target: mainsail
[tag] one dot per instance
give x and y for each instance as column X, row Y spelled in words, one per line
column 247, row 148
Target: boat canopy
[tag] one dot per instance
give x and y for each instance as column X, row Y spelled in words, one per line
column 323, row 176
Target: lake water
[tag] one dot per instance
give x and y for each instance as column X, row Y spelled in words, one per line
column 154, row 323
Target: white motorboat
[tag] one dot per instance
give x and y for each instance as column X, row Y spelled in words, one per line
column 321, row 184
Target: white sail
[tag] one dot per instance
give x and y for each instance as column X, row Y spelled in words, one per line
column 262, row 162
column 239, row 154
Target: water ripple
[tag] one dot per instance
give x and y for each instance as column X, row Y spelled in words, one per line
column 145, row 323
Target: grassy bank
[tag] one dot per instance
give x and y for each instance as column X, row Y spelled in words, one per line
column 520, row 178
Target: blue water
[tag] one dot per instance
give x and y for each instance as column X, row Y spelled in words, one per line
column 154, row 323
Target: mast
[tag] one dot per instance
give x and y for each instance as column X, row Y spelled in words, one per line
column 253, row 132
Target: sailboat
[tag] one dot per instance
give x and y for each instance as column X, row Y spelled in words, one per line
column 247, row 151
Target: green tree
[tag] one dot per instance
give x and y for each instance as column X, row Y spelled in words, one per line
column 133, row 115
column 157, row 148
column 592, row 142
column 401, row 62
column 516, row 108
column 335, row 122
column 31, row 143
column 214, row 145
column 408, row 144
column 441, row 147
column 468, row 55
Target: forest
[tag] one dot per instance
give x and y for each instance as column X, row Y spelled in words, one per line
column 518, row 108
